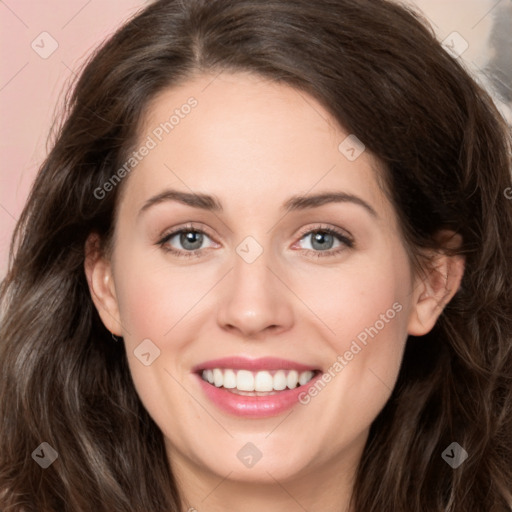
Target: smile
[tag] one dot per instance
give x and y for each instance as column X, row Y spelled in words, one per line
column 254, row 388
column 250, row 383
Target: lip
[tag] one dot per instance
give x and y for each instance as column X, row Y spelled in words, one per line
column 254, row 406
column 244, row 363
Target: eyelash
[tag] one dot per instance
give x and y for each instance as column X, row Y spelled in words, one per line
column 342, row 237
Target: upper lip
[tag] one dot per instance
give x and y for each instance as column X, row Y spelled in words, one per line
column 262, row 363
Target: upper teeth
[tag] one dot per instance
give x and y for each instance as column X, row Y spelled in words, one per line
column 245, row 380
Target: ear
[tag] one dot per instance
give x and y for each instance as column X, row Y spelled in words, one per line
column 436, row 286
column 98, row 271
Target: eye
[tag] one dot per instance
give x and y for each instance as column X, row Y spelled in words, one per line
column 188, row 237
column 191, row 240
column 322, row 240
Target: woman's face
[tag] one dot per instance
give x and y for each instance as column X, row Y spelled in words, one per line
column 263, row 301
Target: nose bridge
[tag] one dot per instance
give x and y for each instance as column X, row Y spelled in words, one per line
column 255, row 299
column 251, row 268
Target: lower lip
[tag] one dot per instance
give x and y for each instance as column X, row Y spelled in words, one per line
column 254, row 406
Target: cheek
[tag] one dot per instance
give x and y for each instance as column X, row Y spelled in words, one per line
column 153, row 302
column 153, row 296
column 362, row 301
column 363, row 312
column 159, row 302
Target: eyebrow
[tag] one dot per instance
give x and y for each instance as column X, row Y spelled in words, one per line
column 294, row 203
column 313, row 201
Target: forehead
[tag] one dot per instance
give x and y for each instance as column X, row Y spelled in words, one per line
column 240, row 133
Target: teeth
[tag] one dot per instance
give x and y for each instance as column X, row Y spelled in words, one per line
column 305, row 377
column 244, row 381
column 229, row 381
column 292, row 379
column 218, row 378
column 279, row 380
column 263, row 381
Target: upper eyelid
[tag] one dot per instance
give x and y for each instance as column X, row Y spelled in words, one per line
column 339, row 232
column 173, row 232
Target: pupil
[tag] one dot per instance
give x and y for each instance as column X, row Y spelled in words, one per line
column 320, row 238
column 188, row 238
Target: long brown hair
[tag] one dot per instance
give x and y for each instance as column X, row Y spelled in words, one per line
column 445, row 155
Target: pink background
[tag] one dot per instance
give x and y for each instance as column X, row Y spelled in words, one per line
column 31, row 86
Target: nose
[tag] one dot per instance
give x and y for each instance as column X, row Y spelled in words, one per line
column 256, row 300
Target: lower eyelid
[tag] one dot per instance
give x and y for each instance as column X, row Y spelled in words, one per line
column 344, row 240
column 167, row 238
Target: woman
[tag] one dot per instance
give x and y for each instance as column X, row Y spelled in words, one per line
column 338, row 334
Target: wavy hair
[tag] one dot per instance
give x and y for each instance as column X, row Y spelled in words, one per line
column 445, row 157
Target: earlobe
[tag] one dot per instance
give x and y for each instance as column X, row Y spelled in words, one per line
column 98, row 271
column 435, row 289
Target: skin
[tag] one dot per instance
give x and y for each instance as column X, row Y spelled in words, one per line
column 253, row 144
